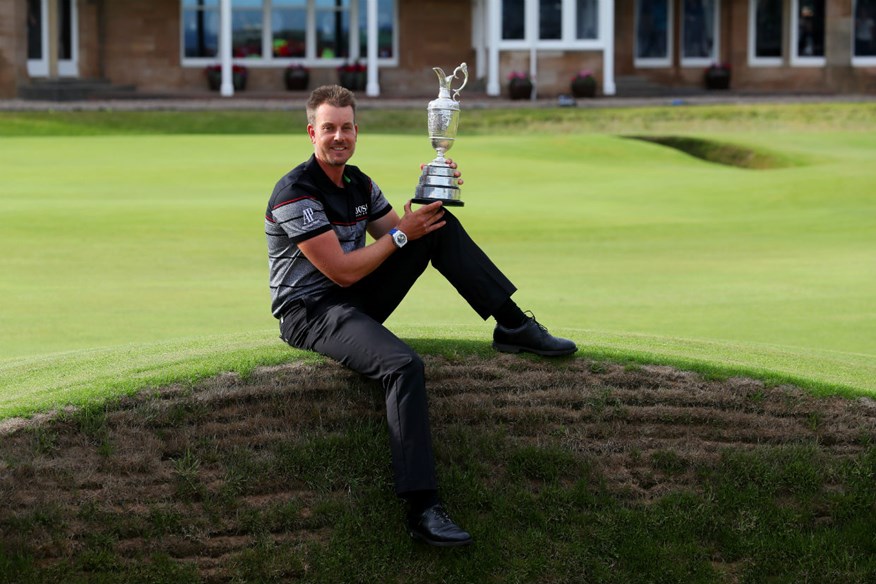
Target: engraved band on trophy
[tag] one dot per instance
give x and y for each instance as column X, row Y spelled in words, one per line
column 437, row 182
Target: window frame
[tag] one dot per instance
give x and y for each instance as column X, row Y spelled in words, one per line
column 715, row 57
column 864, row 61
column 753, row 59
column 655, row 62
column 798, row 60
column 311, row 59
column 567, row 42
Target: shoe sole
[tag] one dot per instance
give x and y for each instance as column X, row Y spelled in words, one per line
column 436, row 543
column 502, row 348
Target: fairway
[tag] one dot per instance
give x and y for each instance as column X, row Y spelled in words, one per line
column 143, row 258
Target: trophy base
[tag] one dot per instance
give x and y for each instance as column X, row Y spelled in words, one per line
column 447, row 202
column 437, row 183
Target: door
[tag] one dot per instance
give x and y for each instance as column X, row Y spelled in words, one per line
column 39, row 15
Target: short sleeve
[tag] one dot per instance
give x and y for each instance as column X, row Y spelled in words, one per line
column 300, row 217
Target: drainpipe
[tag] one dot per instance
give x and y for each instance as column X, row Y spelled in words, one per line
column 494, row 31
column 227, row 88
column 372, row 87
column 607, row 24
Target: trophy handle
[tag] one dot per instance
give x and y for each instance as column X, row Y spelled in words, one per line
column 446, row 80
column 464, row 69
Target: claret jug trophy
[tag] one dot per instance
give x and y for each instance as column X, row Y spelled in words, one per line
column 437, row 182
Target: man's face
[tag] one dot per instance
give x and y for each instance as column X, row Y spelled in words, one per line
column 333, row 134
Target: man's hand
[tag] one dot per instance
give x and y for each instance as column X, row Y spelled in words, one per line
column 426, row 219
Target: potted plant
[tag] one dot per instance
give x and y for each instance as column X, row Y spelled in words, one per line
column 297, row 77
column 238, row 77
column 583, row 84
column 717, row 76
column 352, row 76
column 519, row 86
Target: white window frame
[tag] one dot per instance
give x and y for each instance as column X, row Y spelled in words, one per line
column 66, row 67
column 40, row 67
column 867, row 61
column 715, row 57
column 795, row 59
column 268, row 61
column 753, row 59
column 655, row 63
column 567, row 42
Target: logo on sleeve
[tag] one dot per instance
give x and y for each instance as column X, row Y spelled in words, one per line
column 307, row 217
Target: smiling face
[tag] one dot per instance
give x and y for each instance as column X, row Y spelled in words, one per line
column 333, row 133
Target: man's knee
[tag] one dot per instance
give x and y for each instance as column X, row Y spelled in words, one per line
column 408, row 362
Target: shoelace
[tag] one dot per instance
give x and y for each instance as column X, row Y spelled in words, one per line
column 538, row 324
column 441, row 513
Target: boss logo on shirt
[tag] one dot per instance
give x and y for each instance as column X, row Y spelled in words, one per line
column 307, row 216
column 362, row 211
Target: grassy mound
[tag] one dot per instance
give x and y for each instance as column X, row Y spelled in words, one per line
column 563, row 471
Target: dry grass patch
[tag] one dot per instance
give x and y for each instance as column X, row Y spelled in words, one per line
column 257, row 478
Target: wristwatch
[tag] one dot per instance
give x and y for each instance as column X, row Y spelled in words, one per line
column 398, row 237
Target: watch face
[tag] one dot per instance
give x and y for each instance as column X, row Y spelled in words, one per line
column 400, row 238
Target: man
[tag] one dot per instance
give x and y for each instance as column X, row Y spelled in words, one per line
column 332, row 292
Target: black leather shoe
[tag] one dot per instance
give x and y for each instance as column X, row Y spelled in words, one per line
column 531, row 337
column 435, row 527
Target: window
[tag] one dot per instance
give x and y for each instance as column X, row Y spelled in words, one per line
column 34, row 29
column 200, row 28
column 550, row 19
column 808, row 32
column 551, row 24
column 332, row 29
column 865, row 29
column 587, row 23
column 513, row 19
column 653, row 29
column 699, row 32
column 289, row 28
column 766, row 32
column 385, row 28
column 264, row 31
column 246, row 28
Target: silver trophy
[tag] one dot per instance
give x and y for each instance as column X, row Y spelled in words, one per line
column 437, row 182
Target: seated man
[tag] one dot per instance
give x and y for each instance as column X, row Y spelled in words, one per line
column 332, row 292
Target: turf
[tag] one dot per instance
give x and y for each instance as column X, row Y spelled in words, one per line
column 564, row 471
column 123, row 252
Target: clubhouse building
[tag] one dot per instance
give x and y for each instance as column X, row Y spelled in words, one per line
column 55, row 48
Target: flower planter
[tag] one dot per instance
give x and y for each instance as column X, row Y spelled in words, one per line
column 353, row 77
column 583, row 87
column 717, row 78
column 520, row 89
column 214, row 79
column 296, row 78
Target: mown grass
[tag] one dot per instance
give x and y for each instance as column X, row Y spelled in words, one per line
column 140, row 270
column 475, row 120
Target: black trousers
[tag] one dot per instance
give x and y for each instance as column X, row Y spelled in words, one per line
column 346, row 324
